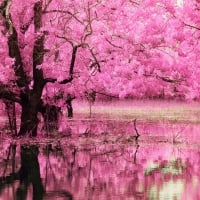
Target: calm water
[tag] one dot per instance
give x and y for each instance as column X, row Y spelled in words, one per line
column 105, row 162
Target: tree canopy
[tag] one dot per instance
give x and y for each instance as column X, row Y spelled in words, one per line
column 126, row 48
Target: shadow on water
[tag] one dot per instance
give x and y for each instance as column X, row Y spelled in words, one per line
column 102, row 166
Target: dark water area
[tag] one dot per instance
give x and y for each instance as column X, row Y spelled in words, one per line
column 104, row 162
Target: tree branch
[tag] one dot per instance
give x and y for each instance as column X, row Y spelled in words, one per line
column 107, row 95
column 96, row 62
column 13, row 45
column 64, row 12
column 38, row 50
column 5, row 93
column 71, row 68
column 169, row 80
column 46, row 6
column 113, row 44
column 66, row 39
column 134, row 2
column 50, row 80
column 137, row 133
column 88, row 28
column 191, row 26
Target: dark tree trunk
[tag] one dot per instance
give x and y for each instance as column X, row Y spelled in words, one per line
column 69, row 109
column 29, row 173
column 32, row 98
column 11, row 113
column 30, row 109
column 68, row 101
column 29, row 121
column 50, row 114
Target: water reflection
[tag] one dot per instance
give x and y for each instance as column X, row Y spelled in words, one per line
column 65, row 170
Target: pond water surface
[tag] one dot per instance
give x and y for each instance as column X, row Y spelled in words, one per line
column 105, row 162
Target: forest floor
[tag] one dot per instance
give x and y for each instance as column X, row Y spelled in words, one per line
column 150, row 110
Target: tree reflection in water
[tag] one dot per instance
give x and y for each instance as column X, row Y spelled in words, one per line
column 27, row 180
column 29, row 174
column 100, row 167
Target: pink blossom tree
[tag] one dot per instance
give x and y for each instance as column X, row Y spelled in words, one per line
column 40, row 43
column 142, row 49
column 155, row 51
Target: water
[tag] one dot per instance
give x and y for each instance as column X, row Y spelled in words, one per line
column 105, row 162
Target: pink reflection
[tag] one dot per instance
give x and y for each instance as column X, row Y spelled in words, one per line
column 102, row 165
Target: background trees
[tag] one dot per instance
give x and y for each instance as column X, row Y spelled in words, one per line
column 125, row 49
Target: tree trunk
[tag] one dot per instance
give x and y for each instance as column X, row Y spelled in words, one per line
column 11, row 113
column 69, row 109
column 32, row 98
column 69, row 99
column 29, row 120
column 50, row 114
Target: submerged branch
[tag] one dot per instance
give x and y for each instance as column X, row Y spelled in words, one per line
column 137, row 133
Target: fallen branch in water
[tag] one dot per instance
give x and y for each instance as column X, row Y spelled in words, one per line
column 137, row 133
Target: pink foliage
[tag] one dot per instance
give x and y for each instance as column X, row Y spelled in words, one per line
column 138, row 44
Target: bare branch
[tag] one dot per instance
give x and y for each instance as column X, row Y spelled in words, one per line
column 71, row 68
column 66, row 39
column 95, row 59
column 107, row 95
column 64, row 12
column 134, row 2
column 191, row 26
column 67, row 80
column 88, row 28
column 25, row 27
column 137, row 133
column 50, row 80
column 169, row 80
column 46, row 6
column 114, row 45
